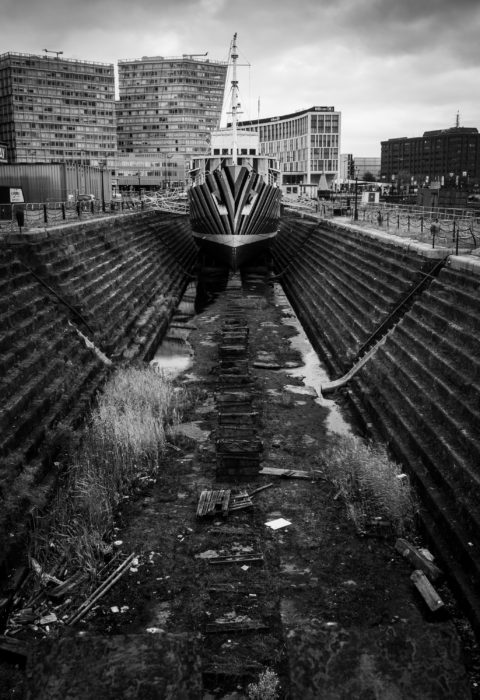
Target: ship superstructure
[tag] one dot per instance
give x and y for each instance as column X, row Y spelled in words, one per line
column 234, row 199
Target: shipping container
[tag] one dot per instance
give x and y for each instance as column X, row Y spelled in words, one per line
column 56, row 182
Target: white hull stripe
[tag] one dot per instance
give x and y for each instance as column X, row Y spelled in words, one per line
column 233, row 241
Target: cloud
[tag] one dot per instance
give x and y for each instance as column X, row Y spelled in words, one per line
column 393, row 67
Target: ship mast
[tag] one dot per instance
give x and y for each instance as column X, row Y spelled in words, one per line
column 234, row 56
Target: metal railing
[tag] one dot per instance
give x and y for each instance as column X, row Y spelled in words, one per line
column 441, row 227
column 34, row 215
column 451, row 228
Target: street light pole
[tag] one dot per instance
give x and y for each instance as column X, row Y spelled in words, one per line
column 102, row 170
column 355, row 211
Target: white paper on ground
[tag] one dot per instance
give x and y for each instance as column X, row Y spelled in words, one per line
column 278, row 523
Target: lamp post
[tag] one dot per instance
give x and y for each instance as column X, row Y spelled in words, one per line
column 102, row 170
column 355, row 211
column 139, row 188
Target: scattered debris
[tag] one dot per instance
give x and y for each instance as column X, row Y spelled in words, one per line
column 278, row 523
column 260, row 488
column 68, row 585
column 241, row 500
column 293, row 473
column 237, row 558
column 48, row 619
column 213, row 503
column 307, row 390
column 426, row 590
column 42, row 575
column 208, row 554
column 101, row 590
column 418, row 560
column 239, row 625
column 14, row 648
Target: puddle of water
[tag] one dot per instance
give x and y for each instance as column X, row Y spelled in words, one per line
column 172, row 358
column 312, row 372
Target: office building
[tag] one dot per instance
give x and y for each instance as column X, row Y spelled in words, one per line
column 306, row 145
column 449, row 156
column 366, row 166
column 55, row 109
column 167, row 107
column 347, row 169
column 140, row 173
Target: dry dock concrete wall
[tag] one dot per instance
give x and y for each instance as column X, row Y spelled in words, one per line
column 74, row 301
column 420, row 392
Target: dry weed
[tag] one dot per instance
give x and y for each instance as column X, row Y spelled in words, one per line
column 371, row 484
column 123, row 442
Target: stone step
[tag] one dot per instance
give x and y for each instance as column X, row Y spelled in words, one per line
column 361, row 264
column 440, row 390
column 430, row 444
column 450, row 536
column 455, row 438
column 458, row 365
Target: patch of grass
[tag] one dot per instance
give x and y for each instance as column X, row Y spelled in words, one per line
column 371, row 484
column 122, row 445
column 266, row 688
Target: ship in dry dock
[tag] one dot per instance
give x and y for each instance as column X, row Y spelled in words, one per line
column 234, row 197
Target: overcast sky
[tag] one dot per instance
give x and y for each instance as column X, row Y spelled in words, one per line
column 392, row 67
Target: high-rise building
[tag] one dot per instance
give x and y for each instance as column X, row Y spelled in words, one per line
column 168, row 105
column 55, row 109
column 306, row 145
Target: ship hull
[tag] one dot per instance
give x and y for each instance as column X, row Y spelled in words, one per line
column 234, row 215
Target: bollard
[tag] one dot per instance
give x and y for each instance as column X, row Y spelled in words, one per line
column 45, row 216
column 20, row 216
column 64, row 214
column 79, row 209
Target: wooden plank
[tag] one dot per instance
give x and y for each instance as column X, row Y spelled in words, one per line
column 241, row 626
column 261, row 488
column 68, row 585
column 11, row 647
column 417, row 559
column 213, row 502
column 426, row 590
column 288, row 473
column 240, row 500
column 236, row 559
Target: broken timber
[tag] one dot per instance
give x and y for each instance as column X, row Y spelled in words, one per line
column 236, row 558
column 14, row 648
column 426, row 590
column 289, row 473
column 241, row 500
column 417, row 559
column 241, row 626
column 213, row 503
